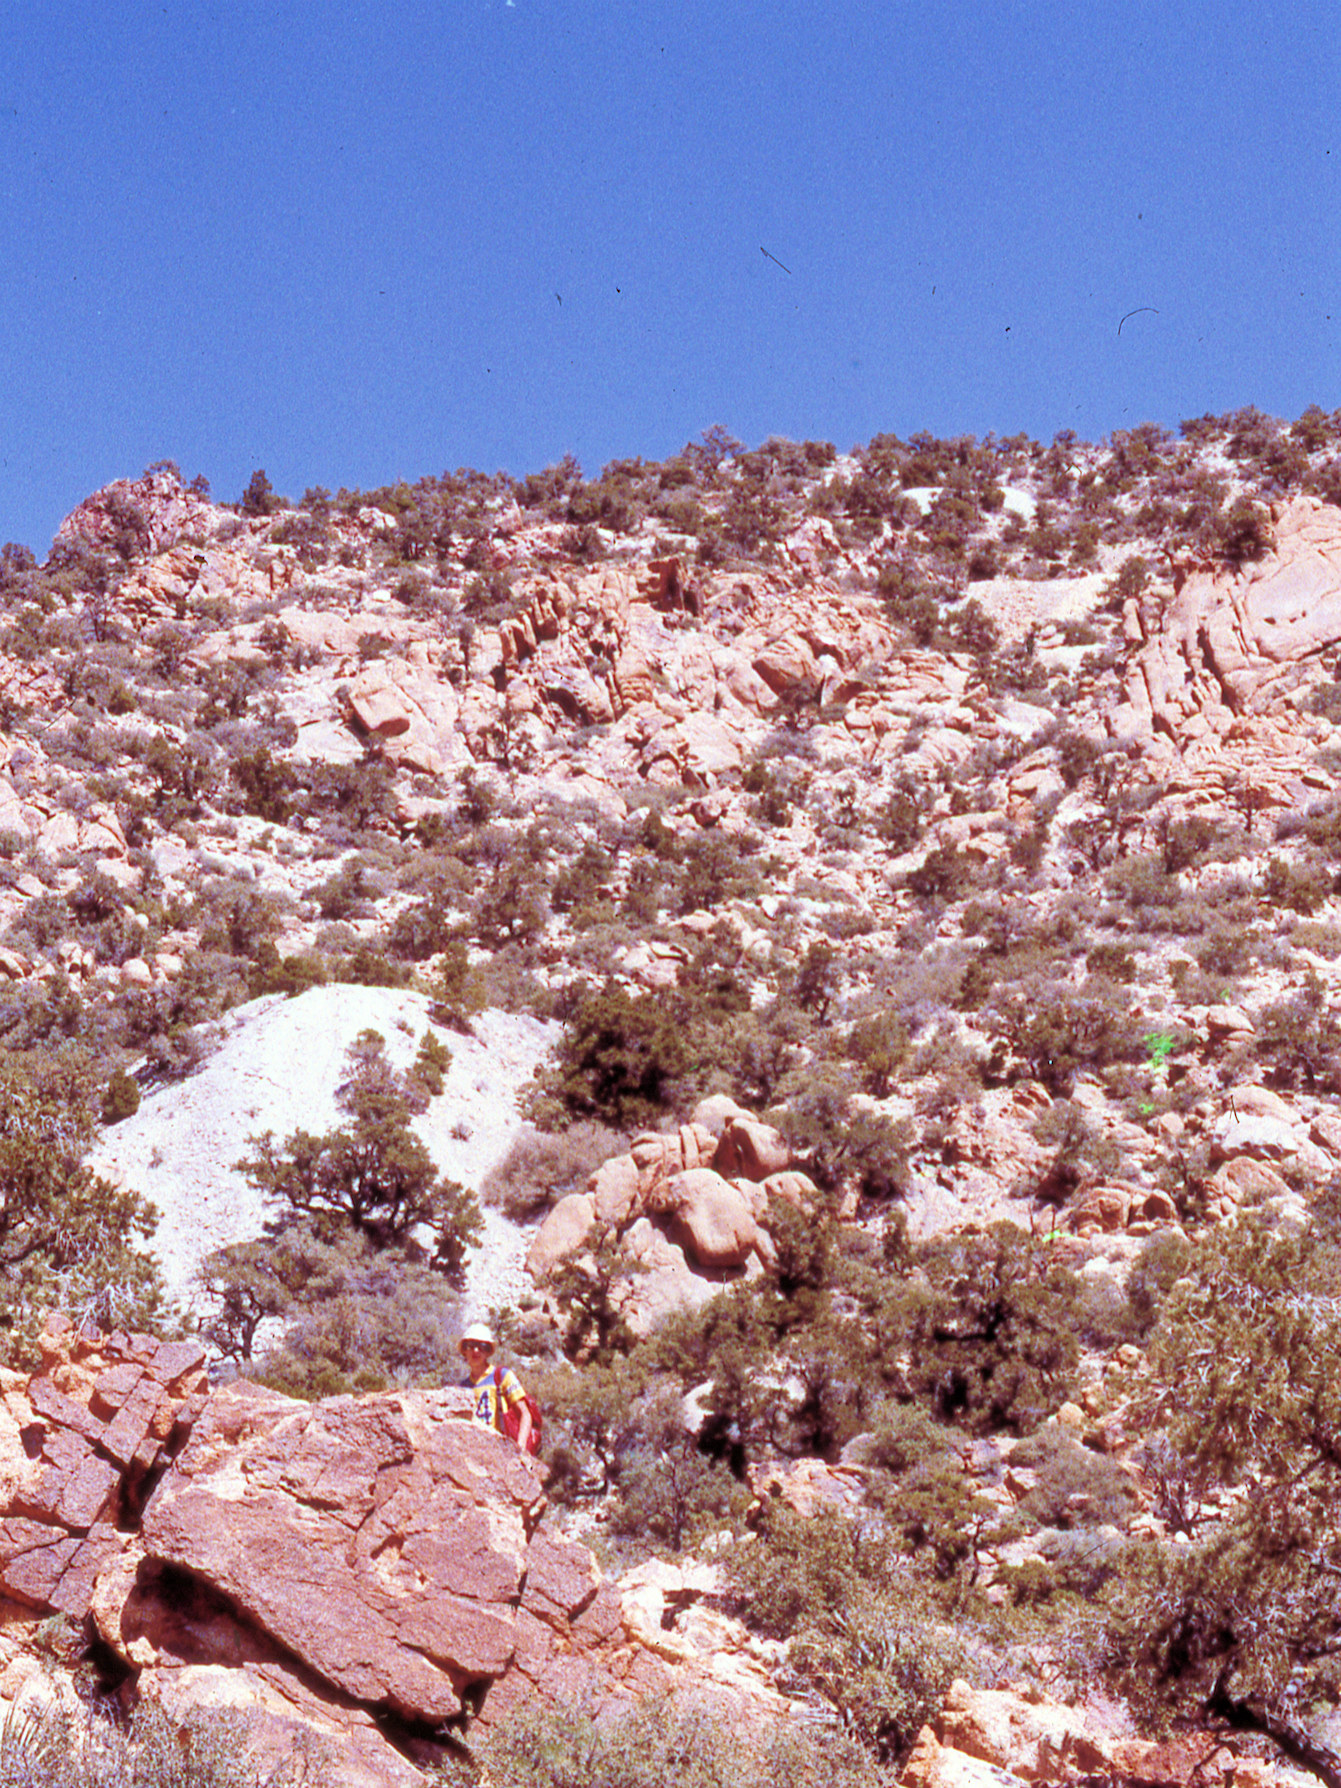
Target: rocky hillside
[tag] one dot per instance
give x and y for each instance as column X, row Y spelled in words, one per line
column 920, row 866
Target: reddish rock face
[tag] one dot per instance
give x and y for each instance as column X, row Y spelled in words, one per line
column 382, row 1541
column 77, row 1450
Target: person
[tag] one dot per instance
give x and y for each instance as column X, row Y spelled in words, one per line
column 493, row 1393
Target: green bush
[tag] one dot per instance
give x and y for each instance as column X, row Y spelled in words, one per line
column 622, row 1056
column 838, row 1139
column 666, row 1487
column 431, row 1062
column 668, row 1745
column 1243, row 532
column 1245, row 1385
column 990, row 1327
column 863, row 1637
column 375, row 1176
column 916, row 1478
column 47, row 1748
column 1060, row 1034
column 121, row 1099
column 260, row 497
column 69, row 1240
column 1075, row 1487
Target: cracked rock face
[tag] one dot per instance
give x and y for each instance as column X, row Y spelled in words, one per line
column 351, row 1573
column 79, row 1444
column 382, row 1541
column 1232, row 642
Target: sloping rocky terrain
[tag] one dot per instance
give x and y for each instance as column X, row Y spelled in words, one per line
column 865, row 926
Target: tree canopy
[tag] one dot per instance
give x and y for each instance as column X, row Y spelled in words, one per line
column 69, row 1239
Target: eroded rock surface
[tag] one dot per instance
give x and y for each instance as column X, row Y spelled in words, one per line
column 1234, row 641
column 352, row 1573
column 383, row 1541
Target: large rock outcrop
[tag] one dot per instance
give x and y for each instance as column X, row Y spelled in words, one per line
column 352, row 1573
column 689, row 1206
column 81, row 1442
column 1235, row 642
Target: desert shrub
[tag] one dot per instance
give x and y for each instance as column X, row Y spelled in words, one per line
column 368, row 965
column 664, row 1485
column 265, row 785
column 511, row 906
column 426, row 927
column 1243, row 532
column 121, row 1098
column 186, row 776
column 540, row 1168
column 717, row 869
column 880, row 1045
column 1157, row 1268
column 1075, row 1487
column 990, row 1329
column 625, row 1058
column 1301, row 887
column 947, row 873
column 1111, row 962
column 1223, row 952
column 1300, row 1040
column 431, row 1062
column 356, row 1318
column 1141, row 882
column 916, row 1478
column 583, row 879
column 289, row 975
column 236, row 917
column 1246, row 1395
column 836, row 1138
column 655, row 1745
column 1060, row 1033
column 861, row 1635
column 375, row 1176
column 69, row 1240
column 806, row 1569
column 1323, row 940
column 587, row 1413
column 45, row 1747
column 1080, row 1151
column 970, row 629
column 351, row 893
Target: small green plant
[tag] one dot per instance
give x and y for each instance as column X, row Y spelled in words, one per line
column 121, row 1099
column 431, row 1063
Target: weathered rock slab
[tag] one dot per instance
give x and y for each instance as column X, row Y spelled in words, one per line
column 382, row 1541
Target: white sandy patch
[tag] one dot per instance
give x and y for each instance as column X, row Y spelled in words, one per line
column 277, row 1068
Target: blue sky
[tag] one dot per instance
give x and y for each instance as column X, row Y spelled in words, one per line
column 350, row 242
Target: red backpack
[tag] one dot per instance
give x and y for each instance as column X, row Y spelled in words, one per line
column 509, row 1420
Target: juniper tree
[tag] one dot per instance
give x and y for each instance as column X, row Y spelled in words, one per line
column 69, row 1239
column 1243, row 1620
column 374, row 1175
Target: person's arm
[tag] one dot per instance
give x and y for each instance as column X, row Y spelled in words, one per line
column 511, row 1391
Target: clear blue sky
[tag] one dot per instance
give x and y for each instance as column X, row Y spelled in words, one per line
column 349, row 241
